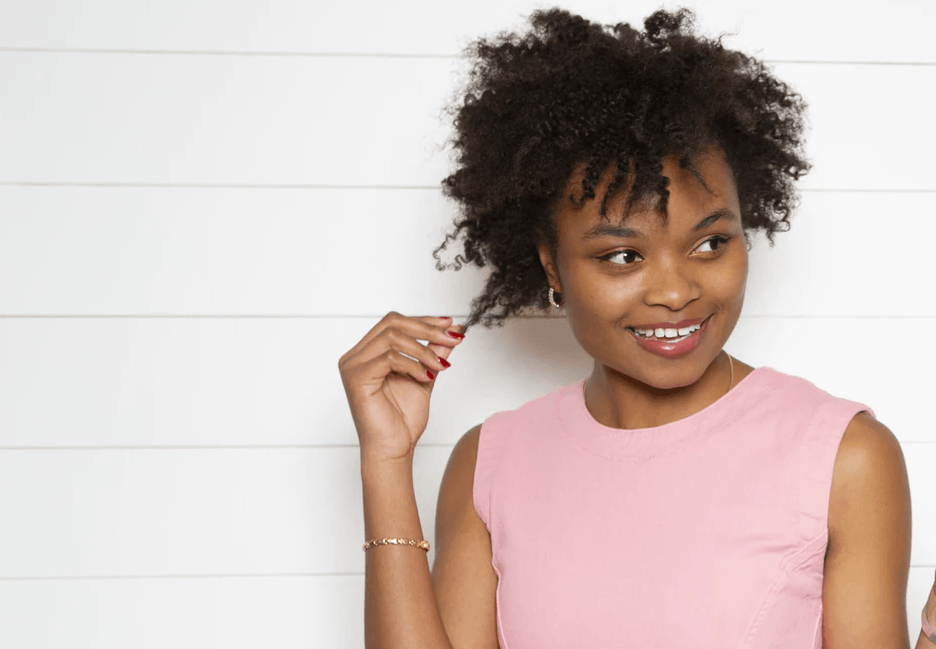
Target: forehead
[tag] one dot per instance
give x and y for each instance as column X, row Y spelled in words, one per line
column 691, row 193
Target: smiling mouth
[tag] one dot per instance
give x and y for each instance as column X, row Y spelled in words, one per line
column 669, row 335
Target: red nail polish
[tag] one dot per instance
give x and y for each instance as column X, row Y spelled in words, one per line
column 431, row 375
column 444, row 362
column 455, row 334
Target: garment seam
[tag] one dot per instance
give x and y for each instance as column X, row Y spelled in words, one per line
column 788, row 568
column 809, row 443
column 824, row 413
column 498, row 618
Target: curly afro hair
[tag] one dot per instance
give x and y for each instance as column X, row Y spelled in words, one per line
column 571, row 92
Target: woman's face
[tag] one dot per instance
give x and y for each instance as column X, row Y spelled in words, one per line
column 618, row 274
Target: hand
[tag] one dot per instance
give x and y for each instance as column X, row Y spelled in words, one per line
column 389, row 393
column 931, row 604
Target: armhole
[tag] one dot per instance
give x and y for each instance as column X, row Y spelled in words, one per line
column 490, row 442
column 824, row 435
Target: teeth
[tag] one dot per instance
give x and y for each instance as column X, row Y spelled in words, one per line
column 667, row 333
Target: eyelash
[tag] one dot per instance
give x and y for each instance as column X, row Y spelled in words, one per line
column 721, row 238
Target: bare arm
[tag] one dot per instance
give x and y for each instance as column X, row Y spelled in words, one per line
column 400, row 609
column 868, row 560
column 405, row 605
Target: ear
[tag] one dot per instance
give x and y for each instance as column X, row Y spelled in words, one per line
column 549, row 265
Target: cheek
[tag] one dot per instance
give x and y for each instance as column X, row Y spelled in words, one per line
column 729, row 284
column 599, row 293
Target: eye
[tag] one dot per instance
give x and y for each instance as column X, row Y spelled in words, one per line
column 718, row 239
column 619, row 253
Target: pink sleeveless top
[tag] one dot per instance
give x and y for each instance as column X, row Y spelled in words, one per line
column 708, row 532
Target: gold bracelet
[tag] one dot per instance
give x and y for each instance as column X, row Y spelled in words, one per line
column 419, row 544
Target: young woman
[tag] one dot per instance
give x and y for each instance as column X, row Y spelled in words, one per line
column 676, row 496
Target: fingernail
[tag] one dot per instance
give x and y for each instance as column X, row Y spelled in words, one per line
column 431, row 375
column 455, row 334
column 443, row 317
column 444, row 362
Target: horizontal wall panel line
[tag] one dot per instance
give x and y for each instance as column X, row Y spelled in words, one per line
column 818, row 62
column 247, row 316
column 343, row 55
column 205, row 576
column 39, row 183
column 380, row 55
column 229, row 576
column 185, row 447
column 272, row 317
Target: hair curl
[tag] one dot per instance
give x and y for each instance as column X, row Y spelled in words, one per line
column 573, row 92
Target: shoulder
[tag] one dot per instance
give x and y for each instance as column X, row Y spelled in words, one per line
column 867, row 444
column 464, row 456
column 869, row 470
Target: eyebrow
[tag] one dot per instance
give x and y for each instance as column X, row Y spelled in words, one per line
column 606, row 229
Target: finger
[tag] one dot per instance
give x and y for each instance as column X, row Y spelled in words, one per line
column 427, row 328
column 391, row 361
column 443, row 351
column 401, row 342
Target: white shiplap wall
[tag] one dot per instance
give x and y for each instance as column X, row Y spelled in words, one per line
column 204, row 203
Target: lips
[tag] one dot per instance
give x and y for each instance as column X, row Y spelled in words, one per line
column 673, row 348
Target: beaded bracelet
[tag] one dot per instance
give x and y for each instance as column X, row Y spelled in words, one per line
column 928, row 628
column 418, row 544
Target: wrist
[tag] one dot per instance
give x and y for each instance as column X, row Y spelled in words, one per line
column 383, row 469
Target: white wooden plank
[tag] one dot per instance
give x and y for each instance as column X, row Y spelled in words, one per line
column 260, row 382
column 843, row 256
column 364, row 121
column 190, row 512
column 235, row 613
column 196, row 251
column 232, row 512
column 898, row 31
column 219, row 119
column 285, row 612
column 92, row 250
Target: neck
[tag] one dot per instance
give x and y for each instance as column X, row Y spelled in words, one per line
column 620, row 401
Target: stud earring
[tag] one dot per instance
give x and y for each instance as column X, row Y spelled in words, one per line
column 552, row 299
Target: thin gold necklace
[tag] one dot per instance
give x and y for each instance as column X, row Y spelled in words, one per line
column 731, row 365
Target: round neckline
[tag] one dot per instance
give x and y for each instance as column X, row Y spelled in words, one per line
column 644, row 443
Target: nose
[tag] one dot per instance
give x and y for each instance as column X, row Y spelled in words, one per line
column 671, row 284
